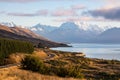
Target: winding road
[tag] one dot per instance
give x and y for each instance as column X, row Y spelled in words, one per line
column 10, row 65
column 50, row 56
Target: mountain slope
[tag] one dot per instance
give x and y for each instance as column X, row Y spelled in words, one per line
column 109, row 36
column 6, row 32
column 11, row 27
column 71, row 32
column 42, row 29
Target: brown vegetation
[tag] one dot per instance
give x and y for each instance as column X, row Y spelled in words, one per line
column 14, row 73
column 92, row 69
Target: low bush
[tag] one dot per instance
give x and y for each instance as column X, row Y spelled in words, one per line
column 56, row 62
column 104, row 76
column 35, row 64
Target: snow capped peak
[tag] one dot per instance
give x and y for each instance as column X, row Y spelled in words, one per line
column 42, row 29
column 90, row 27
column 69, row 25
column 11, row 24
column 82, row 25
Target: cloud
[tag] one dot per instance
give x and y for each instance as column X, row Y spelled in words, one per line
column 78, row 6
column 82, row 18
column 26, row 1
column 2, row 12
column 38, row 13
column 112, row 1
column 22, row 14
column 111, row 13
column 71, row 11
column 19, row 1
column 42, row 12
column 64, row 12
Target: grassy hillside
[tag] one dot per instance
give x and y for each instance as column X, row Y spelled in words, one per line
column 14, row 73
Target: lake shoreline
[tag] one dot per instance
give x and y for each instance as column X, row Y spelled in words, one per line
column 90, row 68
column 101, row 51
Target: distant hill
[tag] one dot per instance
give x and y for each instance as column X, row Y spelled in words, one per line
column 26, row 35
column 109, row 36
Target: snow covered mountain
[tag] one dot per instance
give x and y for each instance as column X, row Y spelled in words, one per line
column 19, row 30
column 11, row 24
column 72, row 32
column 69, row 31
column 89, row 27
column 42, row 29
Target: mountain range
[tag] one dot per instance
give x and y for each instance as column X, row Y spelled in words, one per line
column 69, row 32
column 18, row 33
column 75, row 32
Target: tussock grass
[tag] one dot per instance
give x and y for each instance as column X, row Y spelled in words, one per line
column 14, row 73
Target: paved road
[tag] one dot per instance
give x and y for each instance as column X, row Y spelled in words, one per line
column 18, row 64
column 50, row 56
column 10, row 65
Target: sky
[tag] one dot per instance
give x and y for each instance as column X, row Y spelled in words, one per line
column 56, row 12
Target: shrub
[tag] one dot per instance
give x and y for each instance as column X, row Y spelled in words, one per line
column 35, row 64
column 56, row 62
column 108, row 76
column 31, row 63
column 62, row 72
column 75, row 72
column 71, row 71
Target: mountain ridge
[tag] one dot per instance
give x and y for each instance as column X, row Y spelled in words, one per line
column 76, row 32
column 6, row 32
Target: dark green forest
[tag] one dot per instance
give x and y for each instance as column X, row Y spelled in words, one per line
column 8, row 46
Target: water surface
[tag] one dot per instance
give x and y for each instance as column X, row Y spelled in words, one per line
column 102, row 51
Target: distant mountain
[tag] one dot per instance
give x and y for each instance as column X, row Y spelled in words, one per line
column 79, row 32
column 26, row 35
column 68, row 32
column 89, row 27
column 20, row 30
column 109, row 36
column 9, row 24
column 42, row 29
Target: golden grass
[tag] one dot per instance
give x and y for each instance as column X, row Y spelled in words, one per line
column 14, row 73
column 90, row 67
column 15, row 58
column 41, row 54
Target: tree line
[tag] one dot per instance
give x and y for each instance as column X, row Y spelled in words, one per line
column 8, row 46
